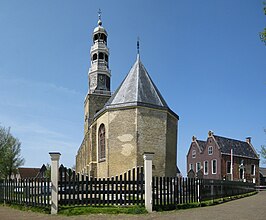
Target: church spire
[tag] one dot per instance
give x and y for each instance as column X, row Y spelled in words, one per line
column 99, row 72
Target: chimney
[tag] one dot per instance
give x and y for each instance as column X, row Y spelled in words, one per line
column 210, row 133
column 194, row 138
column 248, row 140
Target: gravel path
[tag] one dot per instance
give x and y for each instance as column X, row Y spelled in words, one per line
column 247, row 208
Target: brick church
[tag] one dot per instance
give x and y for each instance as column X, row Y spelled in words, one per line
column 120, row 127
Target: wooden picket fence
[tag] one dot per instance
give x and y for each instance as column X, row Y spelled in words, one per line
column 125, row 189
column 214, row 189
column 170, row 191
column 31, row 191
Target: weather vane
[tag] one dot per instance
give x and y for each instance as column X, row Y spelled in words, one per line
column 138, row 45
column 99, row 14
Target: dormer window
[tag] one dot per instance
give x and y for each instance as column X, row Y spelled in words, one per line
column 210, row 150
column 194, row 154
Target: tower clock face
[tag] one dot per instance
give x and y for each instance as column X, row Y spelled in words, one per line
column 101, row 80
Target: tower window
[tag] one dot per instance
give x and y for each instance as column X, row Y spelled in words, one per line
column 95, row 37
column 194, row 154
column 101, row 142
column 94, row 57
column 106, row 57
column 101, row 56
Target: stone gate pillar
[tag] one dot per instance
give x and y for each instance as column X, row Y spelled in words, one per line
column 148, row 180
column 55, row 156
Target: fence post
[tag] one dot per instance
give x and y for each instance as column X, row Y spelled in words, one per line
column 148, row 180
column 54, row 179
column 198, row 190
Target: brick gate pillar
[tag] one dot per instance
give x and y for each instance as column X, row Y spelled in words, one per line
column 148, row 180
column 55, row 156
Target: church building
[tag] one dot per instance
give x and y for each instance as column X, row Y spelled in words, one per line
column 120, row 127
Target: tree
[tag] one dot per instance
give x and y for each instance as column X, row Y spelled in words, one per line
column 263, row 151
column 263, row 33
column 10, row 153
column 48, row 171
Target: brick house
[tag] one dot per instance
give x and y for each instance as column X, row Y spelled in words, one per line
column 213, row 158
column 29, row 172
column 262, row 176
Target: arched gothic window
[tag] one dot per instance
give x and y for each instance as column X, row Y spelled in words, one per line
column 101, row 142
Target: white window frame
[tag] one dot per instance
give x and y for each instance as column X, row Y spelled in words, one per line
column 228, row 162
column 198, row 166
column 206, row 165
column 253, row 171
column 210, row 150
column 215, row 166
column 191, row 166
column 193, row 153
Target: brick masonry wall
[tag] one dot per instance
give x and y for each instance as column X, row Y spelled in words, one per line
column 129, row 133
column 121, row 141
column 171, row 146
column 152, row 128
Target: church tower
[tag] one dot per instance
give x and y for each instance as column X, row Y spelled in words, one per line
column 99, row 75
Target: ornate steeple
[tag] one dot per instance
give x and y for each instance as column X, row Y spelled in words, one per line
column 99, row 72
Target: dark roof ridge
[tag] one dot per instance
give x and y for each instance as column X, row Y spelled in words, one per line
column 241, row 148
column 228, row 138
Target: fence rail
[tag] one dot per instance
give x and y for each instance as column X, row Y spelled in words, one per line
column 170, row 191
column 31, row 191
column 214, row 189
column 125, row 189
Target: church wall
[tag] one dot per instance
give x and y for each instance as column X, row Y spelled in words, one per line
column 171, row 146
column 151, row 124
column 122, row 141
column 102, row 166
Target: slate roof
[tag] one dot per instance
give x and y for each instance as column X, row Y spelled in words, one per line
column 263, row 171
column 137, row 89
column 240, row 148
column 202, row 144
column 28, row 172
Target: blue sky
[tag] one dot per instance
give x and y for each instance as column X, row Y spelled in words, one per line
column 205, row 57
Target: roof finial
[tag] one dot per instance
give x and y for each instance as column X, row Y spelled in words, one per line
column 99, row 17
column 138, row 47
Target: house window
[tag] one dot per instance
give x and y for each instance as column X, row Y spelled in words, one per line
column 101, row 142
column 253, row 169
column 214, row 166
column 228, row 167
column 210, row 150
column 191, row 166
column 198, row 166
column 194, row 154
column 206, row 167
